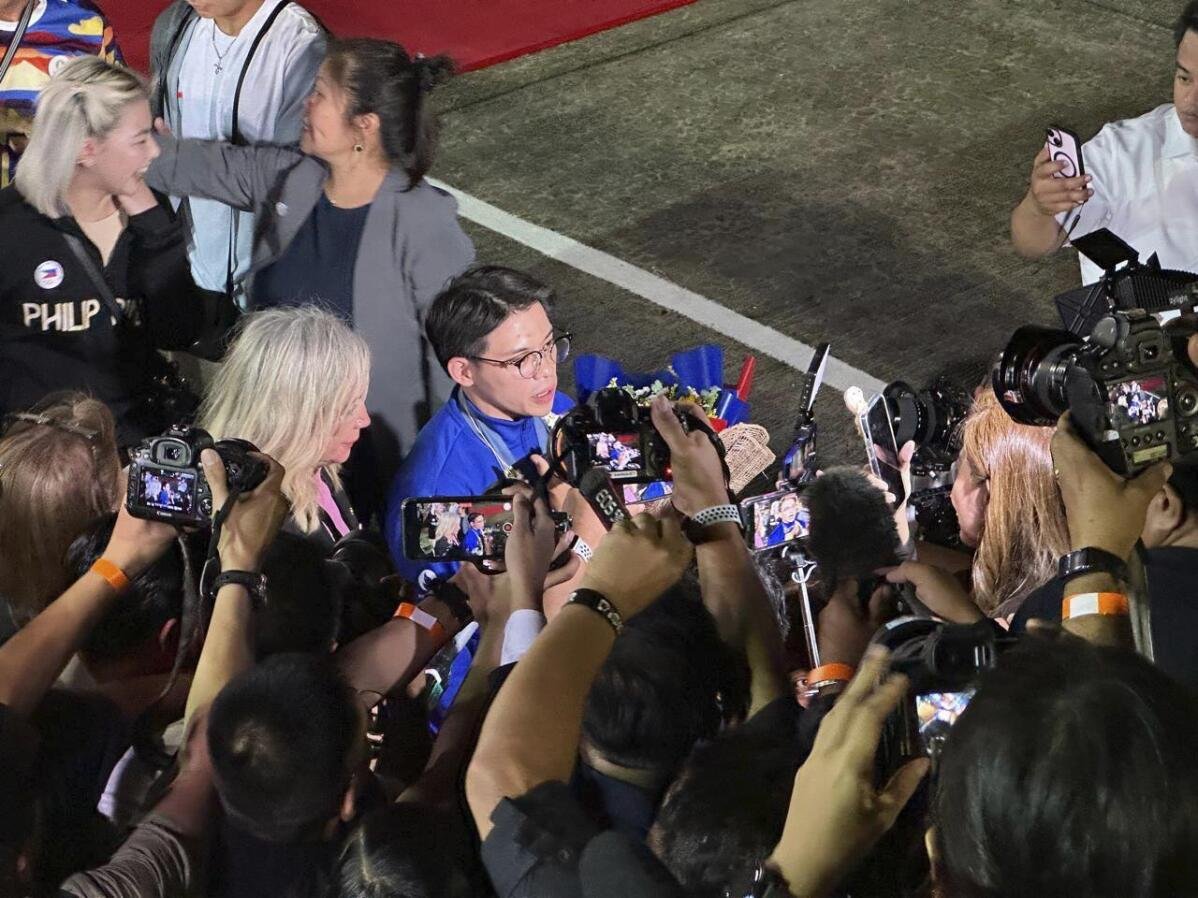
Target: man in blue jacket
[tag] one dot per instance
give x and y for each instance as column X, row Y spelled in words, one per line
column 492, row 332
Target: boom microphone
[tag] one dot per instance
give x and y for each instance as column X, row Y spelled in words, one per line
column 852, row 526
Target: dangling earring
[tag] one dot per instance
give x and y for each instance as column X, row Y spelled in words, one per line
column 358, row 148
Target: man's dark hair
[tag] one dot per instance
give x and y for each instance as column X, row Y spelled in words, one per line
column 303, row 608
column 476, row 516
column 1187, row 21
column 1071, row 773
column 726, row 810
column 475, row 303
column 669, row 682
column 283, row 738
column 154, row 597
column 401, row 850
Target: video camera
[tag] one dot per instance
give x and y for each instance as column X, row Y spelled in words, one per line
column 166, row 479
column 1129, row 386
column 943, row 662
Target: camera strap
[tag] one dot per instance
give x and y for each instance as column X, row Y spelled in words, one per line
column 96, row 276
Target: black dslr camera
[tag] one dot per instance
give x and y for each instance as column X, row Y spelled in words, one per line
column 933, row 420
column 943, row 662
column 616, row 435
column 167, row 483
column 1129, row 386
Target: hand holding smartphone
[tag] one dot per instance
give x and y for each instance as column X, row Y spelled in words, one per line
column 1065, row 148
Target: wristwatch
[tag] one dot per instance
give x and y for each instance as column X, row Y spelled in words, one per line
column 255, row 585
column 1091, row 560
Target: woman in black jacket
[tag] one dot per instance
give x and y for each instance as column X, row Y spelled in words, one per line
column 94, row 276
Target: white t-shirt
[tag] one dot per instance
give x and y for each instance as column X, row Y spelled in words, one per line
column 271, row 111
column 1145, row 184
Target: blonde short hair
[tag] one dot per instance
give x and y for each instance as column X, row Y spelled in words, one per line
column 287, row 383
column 85, row 99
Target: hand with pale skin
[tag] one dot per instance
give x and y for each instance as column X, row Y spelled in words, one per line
column 836, row 813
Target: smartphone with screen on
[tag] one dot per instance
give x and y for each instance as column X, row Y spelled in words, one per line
column 775, row 519
column 461, row 528
column 877, row 428
column 1064, row 146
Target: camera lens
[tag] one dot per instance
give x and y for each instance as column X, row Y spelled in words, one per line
column 931, row 419
column 1029, row 379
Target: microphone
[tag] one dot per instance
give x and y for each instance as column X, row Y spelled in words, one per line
column 852, row 526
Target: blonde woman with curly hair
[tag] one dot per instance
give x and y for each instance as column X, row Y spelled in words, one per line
column 294, row 384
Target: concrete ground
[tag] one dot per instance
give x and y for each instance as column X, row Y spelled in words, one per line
column 837, row 171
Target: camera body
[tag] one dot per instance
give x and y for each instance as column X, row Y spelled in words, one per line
column 1129, row 387
column 616, row 435
column 166, row 479
column 943, row 662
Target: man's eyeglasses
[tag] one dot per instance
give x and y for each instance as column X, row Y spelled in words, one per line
column 528, row 365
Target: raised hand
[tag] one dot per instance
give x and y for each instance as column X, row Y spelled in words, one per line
column 638, row 561
column 1051, row 195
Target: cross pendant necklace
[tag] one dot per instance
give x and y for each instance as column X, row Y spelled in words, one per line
column 220, row 57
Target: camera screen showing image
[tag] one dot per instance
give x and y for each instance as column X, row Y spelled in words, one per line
column 776, row 519
column 937, row 712
column 167, row 490
column 456, row 531
column 461, row 528
column 641, row 493
column 1141, row 401
column 620, row 454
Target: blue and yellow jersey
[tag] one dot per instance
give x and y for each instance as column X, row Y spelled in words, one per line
column 60, row 31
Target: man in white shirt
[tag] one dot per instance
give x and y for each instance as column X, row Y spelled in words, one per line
column 1141, row 180
column 210, row 57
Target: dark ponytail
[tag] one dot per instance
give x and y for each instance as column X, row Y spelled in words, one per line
column 379, row 77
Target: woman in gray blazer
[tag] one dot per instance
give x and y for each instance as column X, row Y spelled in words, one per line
column 348, row 221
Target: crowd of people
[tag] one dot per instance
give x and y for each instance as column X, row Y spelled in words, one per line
column 324, row 690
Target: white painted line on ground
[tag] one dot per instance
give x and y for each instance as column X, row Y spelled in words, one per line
column 657, row 290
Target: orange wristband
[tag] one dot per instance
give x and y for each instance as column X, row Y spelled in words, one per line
column 826, row 673
column 1111, row 603
column 114, row 575
column 421, row 619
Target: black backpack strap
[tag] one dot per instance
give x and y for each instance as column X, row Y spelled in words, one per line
column 96, row 277
column 235, row 133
